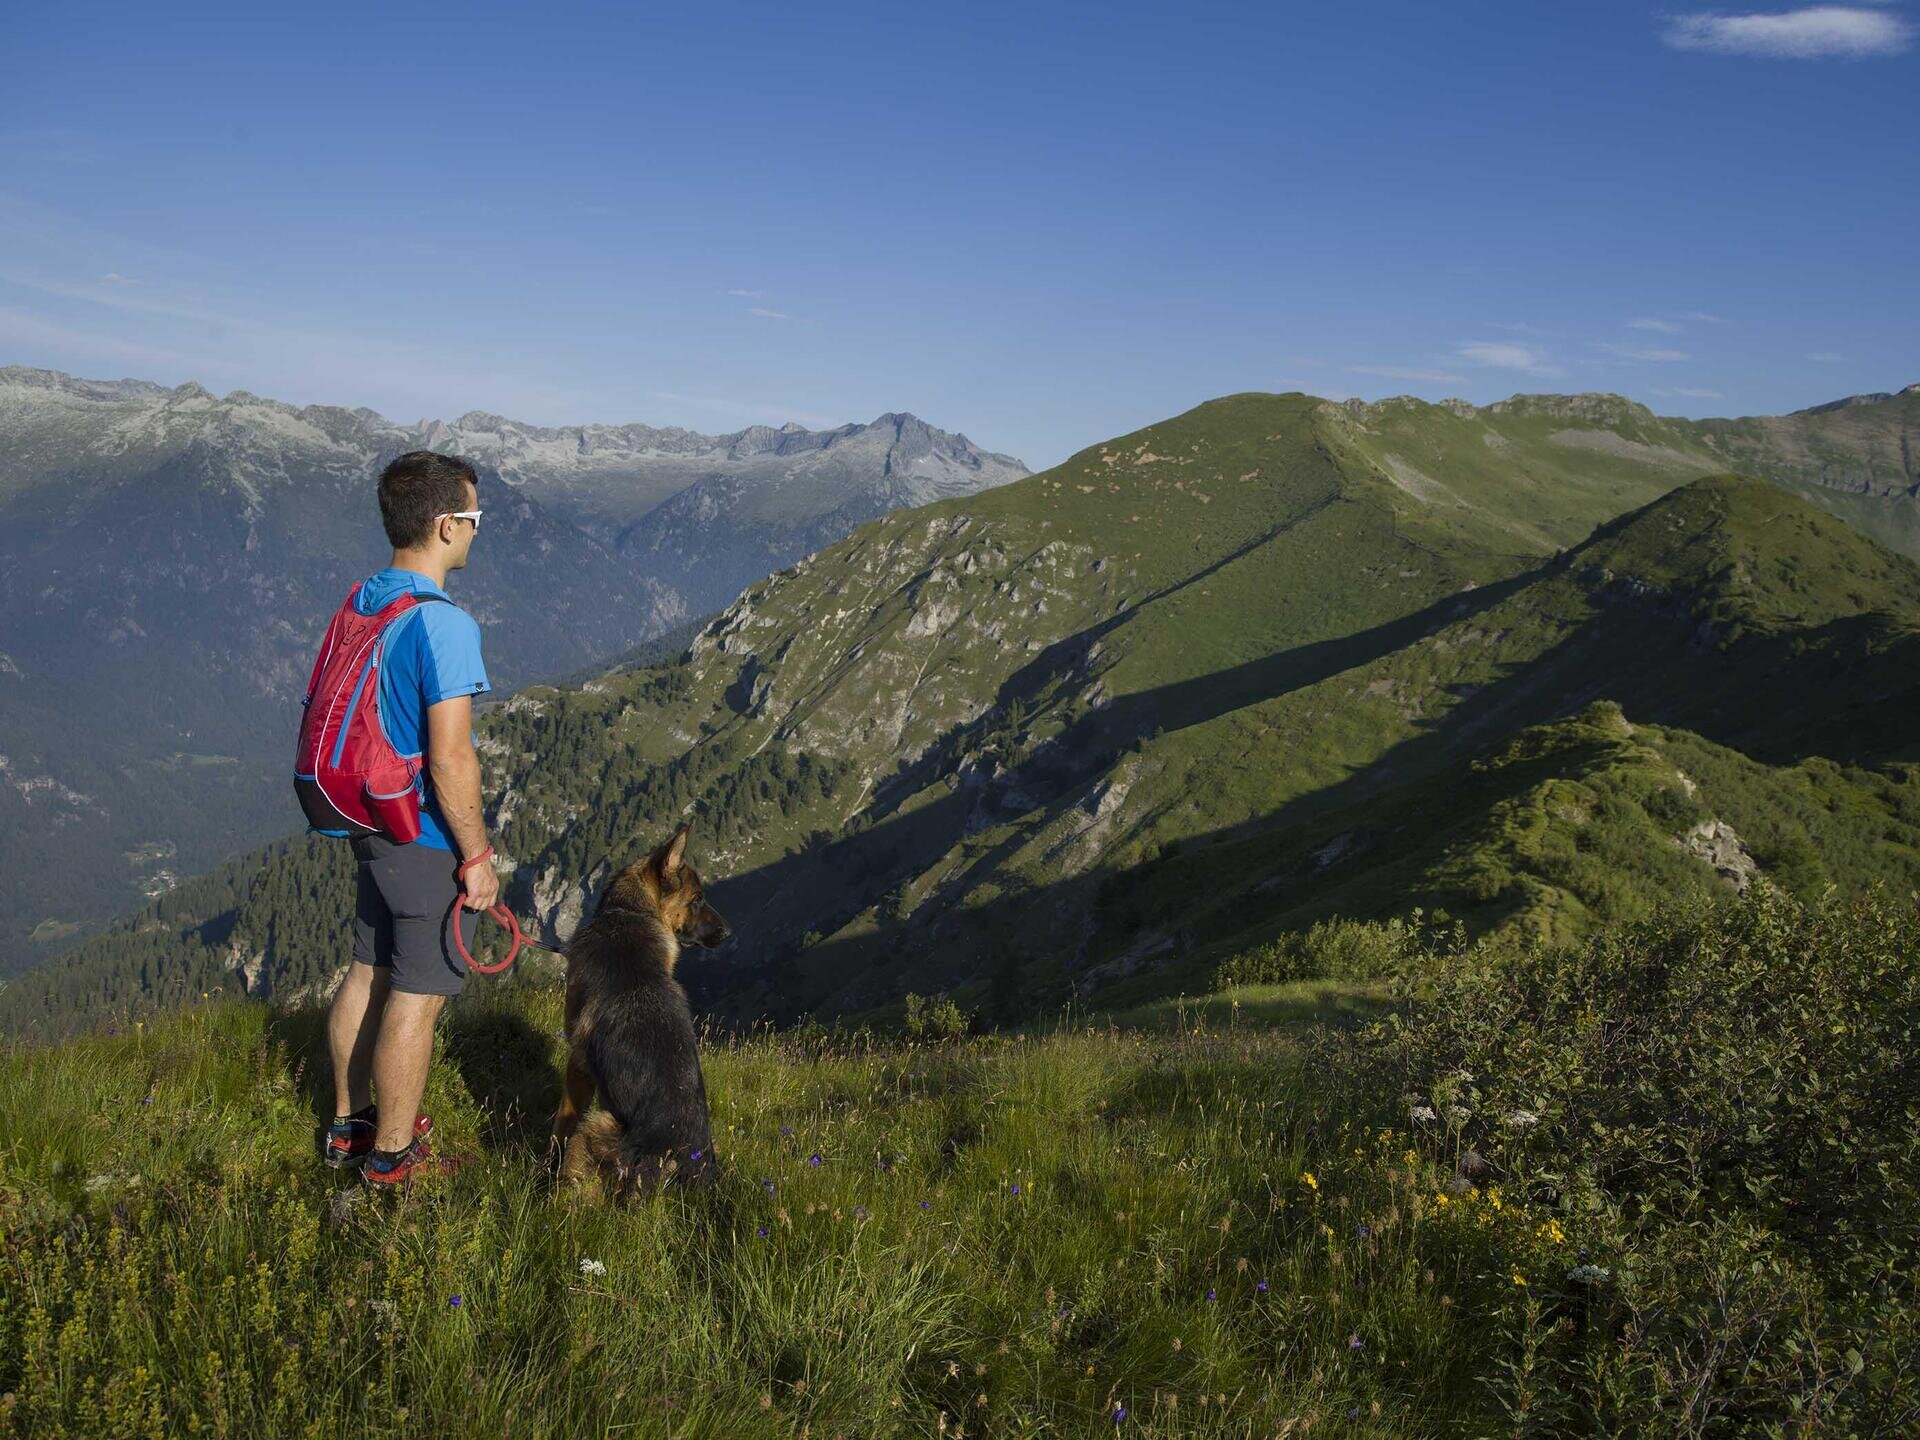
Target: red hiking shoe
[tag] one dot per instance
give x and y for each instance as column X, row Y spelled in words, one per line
column 350, row 1138
column 416, row 1162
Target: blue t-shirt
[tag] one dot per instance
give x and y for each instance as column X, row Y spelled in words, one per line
column 432, row 654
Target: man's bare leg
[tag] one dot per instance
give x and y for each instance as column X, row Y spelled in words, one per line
column 401, row 1058
column 352, row 1024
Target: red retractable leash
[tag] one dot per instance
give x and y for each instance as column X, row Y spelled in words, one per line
column 499, row 912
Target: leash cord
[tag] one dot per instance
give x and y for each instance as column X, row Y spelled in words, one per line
column 500, row 913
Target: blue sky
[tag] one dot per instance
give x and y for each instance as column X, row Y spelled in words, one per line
column 1042, row 225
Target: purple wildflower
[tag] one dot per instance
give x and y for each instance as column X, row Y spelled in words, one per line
column 926, row 1204
column 814, row 1159
column 767, row 1185
column 1362, row 1231
column 1119, row 1413
column 859, row 1212
column 1016, row 1189
column 695, row 1156
column 786, row 1130
column 1354, row 1342
column 1209, row 1297
column 1261, row 1287
column 761, row 1232
column 455, row 1302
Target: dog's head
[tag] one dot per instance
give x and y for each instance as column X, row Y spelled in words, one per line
column 665, row 883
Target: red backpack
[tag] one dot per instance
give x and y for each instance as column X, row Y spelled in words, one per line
column 346, row 772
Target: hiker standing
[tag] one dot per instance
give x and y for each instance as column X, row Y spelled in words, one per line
column 387, row 759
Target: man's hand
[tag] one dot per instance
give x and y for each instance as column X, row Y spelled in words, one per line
column 482, row 885
column 456, row 790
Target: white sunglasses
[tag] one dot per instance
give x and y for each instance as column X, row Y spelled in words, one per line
column 473, row 515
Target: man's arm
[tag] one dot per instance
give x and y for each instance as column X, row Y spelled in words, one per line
column 455, row 769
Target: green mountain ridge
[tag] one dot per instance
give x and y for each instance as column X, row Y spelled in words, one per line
column 1063, row 731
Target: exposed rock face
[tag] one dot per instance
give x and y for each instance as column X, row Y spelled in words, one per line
column 1715, row 842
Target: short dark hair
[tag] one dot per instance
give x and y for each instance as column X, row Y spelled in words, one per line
column 417, row 486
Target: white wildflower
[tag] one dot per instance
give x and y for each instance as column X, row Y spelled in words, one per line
column 381, row 1307
column 1422, row 1113
column 593, row 1267
column 1589, row 1274
column 1457, row 1114
column 1522, row 1120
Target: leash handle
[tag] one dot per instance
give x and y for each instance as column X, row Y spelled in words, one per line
column 500, row 913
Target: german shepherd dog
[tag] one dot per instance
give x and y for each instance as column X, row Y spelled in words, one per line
column 630, row 1034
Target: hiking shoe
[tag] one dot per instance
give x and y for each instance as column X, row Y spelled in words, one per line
column 417, row 1161
column 350, row 1138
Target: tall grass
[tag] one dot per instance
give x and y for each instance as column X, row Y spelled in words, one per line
column 1192, row 1225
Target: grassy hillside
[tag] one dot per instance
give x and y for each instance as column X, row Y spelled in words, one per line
column 951, row 751
column 1661, row 1183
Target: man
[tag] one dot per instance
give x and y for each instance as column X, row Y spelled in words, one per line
column 380, row 1029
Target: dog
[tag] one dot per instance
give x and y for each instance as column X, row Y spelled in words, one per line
column 630, row 1037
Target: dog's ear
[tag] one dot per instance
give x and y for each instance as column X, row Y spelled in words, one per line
column 674, row 852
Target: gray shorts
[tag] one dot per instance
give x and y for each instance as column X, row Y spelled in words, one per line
column 403, row 909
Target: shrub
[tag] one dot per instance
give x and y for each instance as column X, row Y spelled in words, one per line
column 1727, row 1105
column 1330, row 950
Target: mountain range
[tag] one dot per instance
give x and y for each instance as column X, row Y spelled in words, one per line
column 1542, row 664
column 167, row 558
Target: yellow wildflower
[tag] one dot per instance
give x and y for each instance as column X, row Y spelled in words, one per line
column 1307, row 1180
column 1518, row 1278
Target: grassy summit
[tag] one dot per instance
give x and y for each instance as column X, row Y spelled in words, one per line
column 1659, row 1183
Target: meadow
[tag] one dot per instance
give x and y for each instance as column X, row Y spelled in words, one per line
column 1662, row 1182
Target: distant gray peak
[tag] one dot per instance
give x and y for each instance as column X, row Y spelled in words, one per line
column 1589, row 405
column 26, row 377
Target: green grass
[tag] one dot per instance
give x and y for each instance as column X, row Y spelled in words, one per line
column 1279, row 1210
column 1037, row 1221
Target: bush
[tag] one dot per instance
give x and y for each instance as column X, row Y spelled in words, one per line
column 936, row 1019
column 1331, row 950
column 1727, row 1107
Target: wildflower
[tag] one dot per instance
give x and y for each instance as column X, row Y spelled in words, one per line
column 787, row 1131
column 1519, row 1279
column 1589, row 1274
column 1119, row 1413
column 1457, row 1114
column 859, row 1212
column 1522, row 1119
column 1422, row 1113
column 761, row 1232
column 767, row 1185
column 1551, row 1231
column 926, row 1204
column 814, row 1159
column 1016, row 1189
column 695, row 1156
column 1307, row 1180
column 456, row 1302
column 1362, row 1231
column 593, row 1267
column 1261, row 1287
column 1354, row 1342
column 1440, row 1201
column 1209, row 1297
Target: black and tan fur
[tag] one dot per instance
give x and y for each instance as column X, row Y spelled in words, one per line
column 630, row 1036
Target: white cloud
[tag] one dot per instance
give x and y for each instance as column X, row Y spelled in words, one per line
column 1651, row 353
column 1701, row 317
column 1664, row 327
column 768, row 314
column 114, row 277
column 1816, row 32
column 1825, row 357
column 748, row 294
column 1521, row 329
column 1402, row 372
column 1502, row 356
